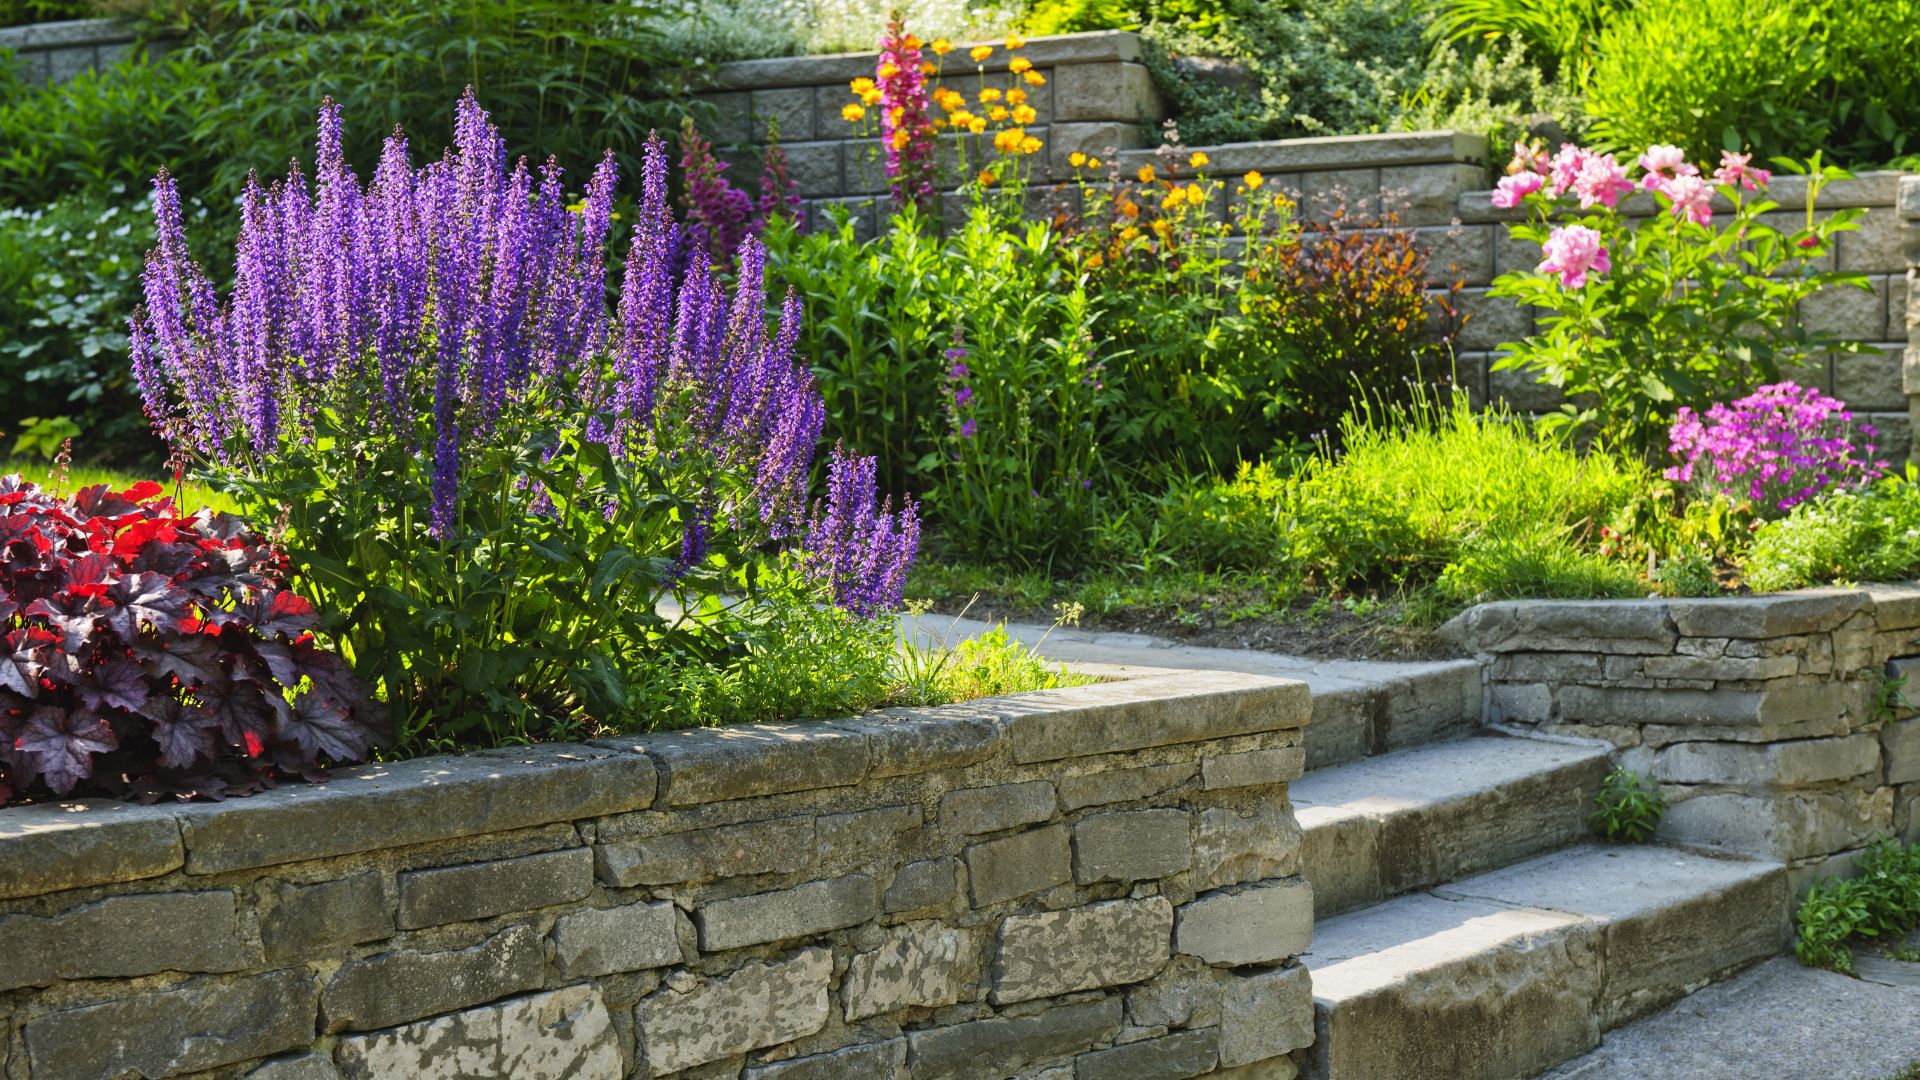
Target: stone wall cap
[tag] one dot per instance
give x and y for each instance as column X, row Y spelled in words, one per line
column 1091, row 47
column 1280, row 156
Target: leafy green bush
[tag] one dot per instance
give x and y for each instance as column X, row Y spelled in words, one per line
column 1784, row 78
column 1626, row 809
column 1866, row 535
column 1881, row 901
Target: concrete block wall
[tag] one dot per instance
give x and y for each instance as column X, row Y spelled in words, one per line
column 1098, row 882
column 57, row 51
column 1765, row 720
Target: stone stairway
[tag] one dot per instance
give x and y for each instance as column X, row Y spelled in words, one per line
column 1468, row 926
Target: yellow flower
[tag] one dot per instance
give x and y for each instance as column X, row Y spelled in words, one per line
column 899, row 138
column 1094, row 261
column 872, row 97
column 853, row 114
column 1093, row 163
column 998, row 113
column 1030, row 145
column 861, row 85
column 941, row 46
column 889, row 70
column 989, row 95
column 1253, row 179
column 1034, row 78
column 1076, row 159
column 1020, row 64
column 981, row 52
column 1198, row 160
column 987, row 178
column 1024, row 114
column 976, row 124
column 1015, row 41
column 1145, row 174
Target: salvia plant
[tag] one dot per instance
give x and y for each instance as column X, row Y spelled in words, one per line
column 509, row 494
column 1777, row 447
column 147, row 652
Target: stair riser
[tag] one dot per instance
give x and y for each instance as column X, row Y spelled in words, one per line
column 1356, row 860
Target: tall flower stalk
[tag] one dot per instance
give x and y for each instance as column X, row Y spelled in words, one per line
column 493, row 475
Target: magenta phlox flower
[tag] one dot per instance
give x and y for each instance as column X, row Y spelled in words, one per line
column 1572, row 252
column 1777, row 447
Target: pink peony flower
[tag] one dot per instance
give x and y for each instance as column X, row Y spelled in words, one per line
column 1601, row 180
column 1511, row 191
column 1692, row 198
column 1662, row 164
column 1573, row 251
column 1735, row 170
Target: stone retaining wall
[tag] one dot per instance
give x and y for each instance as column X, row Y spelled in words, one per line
column 1774, row 725
column 1099, row 883
column 1100, row 99
column 57, row 51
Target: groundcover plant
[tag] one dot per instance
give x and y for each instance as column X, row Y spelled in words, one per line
column 491, row 483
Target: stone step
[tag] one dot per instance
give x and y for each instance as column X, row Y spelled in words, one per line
column 1386, row 825
column 1360, row 707
column 1504, row 975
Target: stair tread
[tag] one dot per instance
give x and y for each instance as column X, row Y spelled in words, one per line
column 1434, row 773
column 1361, row 950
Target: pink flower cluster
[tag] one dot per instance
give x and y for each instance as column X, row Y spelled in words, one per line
column 1596, row 178
column 1779, row 446
column 906, row 124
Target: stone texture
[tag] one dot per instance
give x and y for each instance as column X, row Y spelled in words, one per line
column 755, row 1006
column 1131, row 845
column 1792, row 764
column 779, row 846
column 1103, row 944
column 602, row 941
column 563, row 1034
column 1253, row 768
column 1121, row 785
column 1232, row 845
column 344, row 911
column 178, row 1030
column 1264, row 1014
column 406, row 984
column 931, row 883
column 920, row 965
column 49, row 847
column 125, row 935
column 870, row 1061
column 395, row 804
column 1002, row 1045
column 972, row 811
column 1169, row 1057
column 482, row 890
column 1016, row 865
column 1259, row 925
column 802, row 911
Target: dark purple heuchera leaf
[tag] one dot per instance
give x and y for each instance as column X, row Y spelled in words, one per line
column 60, row 744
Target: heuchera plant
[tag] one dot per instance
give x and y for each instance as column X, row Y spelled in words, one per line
column 1693, row 300
column 1777, row 447
column 509, row 505
column 145, row 652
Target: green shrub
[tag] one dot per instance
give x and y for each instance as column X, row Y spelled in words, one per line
column 1626, row 809
column 1881, row 901
column 1866, row 535
column 1784, row 79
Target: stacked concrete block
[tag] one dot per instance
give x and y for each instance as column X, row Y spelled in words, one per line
column 1774, row 725
column 1102, row 881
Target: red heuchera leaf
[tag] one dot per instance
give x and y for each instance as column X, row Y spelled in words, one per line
column 170, row 643
column 61, row 743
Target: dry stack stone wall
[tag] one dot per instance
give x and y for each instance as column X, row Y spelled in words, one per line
column 1774, row 725
column 1099, row 883
column 1100, row 99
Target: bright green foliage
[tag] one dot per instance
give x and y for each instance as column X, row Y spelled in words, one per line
column 1866, row 535
column 1626, row 809
column 1783, row 78
column 1881, row 901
